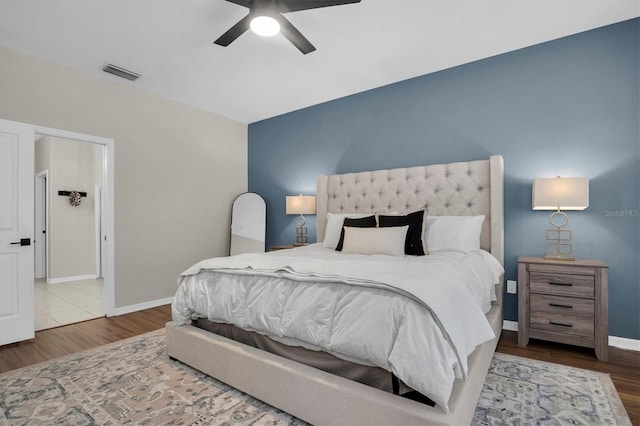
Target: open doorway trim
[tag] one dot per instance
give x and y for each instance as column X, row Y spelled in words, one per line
column 108, row 267
column 98, row 204
column 40, row 237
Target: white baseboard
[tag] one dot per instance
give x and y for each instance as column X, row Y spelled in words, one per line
column 141, row 306
column 624, row 343
column 510, row 325
column 70, row 279
column 618, row 342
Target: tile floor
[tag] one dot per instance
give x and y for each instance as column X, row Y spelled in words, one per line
column 66, row 303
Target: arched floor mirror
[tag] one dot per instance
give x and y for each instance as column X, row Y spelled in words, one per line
column 248, row 224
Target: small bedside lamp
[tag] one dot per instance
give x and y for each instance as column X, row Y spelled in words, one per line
column 560, row 194
column 301, row 204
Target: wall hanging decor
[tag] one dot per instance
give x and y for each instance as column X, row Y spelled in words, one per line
column 75, row 197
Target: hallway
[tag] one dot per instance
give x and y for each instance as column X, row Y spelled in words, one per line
column 67, row 303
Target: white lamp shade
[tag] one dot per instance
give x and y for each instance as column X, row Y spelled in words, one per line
column 560, row 193
column 301, row 204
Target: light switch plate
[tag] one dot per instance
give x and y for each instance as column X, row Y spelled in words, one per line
column 512, row 286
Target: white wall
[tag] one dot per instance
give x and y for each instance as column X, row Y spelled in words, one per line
column 177, row 168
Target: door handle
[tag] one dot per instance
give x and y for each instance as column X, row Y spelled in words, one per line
column 22, row 242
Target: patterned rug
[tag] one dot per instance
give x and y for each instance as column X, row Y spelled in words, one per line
column 521, row 391
column 134, row 382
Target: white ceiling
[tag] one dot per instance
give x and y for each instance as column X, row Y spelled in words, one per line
column 359, row 46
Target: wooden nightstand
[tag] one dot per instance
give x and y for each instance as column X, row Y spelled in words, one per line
column 281, row 247
column 564, row 301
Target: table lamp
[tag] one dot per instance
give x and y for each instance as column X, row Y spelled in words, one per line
column 560, row 194
column 301, row 204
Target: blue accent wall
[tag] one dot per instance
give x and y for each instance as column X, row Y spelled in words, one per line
column 568, row 107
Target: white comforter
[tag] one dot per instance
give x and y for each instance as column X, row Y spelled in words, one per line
column 419, row 317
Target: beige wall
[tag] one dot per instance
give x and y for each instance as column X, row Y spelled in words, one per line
column 177, row 168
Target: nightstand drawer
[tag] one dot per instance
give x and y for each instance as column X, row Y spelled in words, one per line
column 561, row 305
column 566, row 324
column 563, row 284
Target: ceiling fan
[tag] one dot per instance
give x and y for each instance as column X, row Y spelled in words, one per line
column 265, row 18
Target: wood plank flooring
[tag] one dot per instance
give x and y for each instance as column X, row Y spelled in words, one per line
column 56, row 342
column 623, row 366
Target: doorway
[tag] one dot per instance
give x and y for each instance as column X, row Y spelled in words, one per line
column 102, row 275
column 17, row 224
column 69, row 286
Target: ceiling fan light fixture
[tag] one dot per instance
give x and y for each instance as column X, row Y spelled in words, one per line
column 265, row 26
column 266, row 19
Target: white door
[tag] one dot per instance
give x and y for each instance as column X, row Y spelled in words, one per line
column 16, row 231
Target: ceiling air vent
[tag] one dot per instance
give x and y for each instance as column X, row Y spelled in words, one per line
column 120, row 72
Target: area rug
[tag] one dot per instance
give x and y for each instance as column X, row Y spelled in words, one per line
column 134, row 382
column 522, row 391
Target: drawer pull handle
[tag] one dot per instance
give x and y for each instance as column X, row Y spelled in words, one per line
column 563, row 284
column 564, row 324
column 560, row 305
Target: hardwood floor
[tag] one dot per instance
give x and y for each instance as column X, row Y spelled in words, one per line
column 623, row 366
column 60, row 341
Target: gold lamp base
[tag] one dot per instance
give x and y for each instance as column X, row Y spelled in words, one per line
column 559, row 245
column 301, row 233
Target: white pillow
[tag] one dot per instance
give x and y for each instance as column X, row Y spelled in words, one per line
column 375, row 240
column 454, row 233
column 334, row 227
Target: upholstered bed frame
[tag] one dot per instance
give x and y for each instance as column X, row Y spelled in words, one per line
column 464, row 188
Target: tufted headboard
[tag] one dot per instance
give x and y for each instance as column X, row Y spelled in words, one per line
column 454, row 189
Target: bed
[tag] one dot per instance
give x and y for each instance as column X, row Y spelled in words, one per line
column 462, row 189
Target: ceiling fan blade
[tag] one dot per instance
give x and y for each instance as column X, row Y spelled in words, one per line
column 296, row 5
column 234, row 32
column 294, row 36
column 244, row 3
